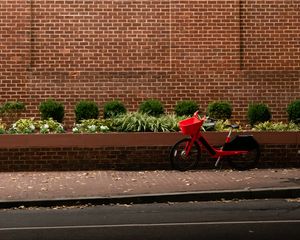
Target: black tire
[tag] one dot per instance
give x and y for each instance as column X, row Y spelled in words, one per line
column 245, row 161
column 179, row 160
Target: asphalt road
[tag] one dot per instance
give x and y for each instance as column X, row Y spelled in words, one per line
column 253, row 219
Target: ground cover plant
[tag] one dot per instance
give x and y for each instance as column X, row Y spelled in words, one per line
column 276, row 126
column 27, row 126
column 141, row 122
column 49, row 126
column 2, row 128
column 90, row 126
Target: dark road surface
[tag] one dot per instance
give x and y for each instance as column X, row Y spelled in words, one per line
column 255, row 219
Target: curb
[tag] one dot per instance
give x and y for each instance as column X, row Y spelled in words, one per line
column 258, row 193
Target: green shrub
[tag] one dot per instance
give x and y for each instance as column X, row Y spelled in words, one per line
column 186, row 108
column 258, row 113
column 152, row 107
column 113, row 109
column 52, row 109
column 86, row 110
column 293, row 111
column 219, row 110
column 9, row 107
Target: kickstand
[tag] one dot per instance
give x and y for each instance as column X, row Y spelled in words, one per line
column 217, row 162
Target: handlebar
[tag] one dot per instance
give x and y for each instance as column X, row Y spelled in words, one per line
column 213, row 121
column 196, row 115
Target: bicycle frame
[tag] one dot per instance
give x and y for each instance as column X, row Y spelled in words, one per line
column 214, row 152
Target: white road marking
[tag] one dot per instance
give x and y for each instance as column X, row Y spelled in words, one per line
column 147, row 225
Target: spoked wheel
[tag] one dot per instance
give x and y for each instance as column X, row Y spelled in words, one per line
column 180, row 160
column 245, row 161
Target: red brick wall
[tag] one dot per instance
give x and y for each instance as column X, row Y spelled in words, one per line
column 14, row 49
column 125, row 158
column 271, row 35
column 237, row 50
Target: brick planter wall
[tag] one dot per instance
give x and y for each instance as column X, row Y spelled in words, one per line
column 129, row 151
column 243, row 51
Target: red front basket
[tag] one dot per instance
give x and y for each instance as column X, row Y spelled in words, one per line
column 190, row 126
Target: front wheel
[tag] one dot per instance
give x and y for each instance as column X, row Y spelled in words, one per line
column 180, row 160
column 245, row 161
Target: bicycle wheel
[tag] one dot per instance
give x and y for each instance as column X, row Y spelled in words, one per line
column 245, row 161
column 179, row 159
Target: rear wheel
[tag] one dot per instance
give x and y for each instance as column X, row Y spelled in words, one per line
column 180, row 160
column 245, row 161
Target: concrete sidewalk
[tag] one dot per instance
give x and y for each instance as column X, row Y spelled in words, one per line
column 56, row 188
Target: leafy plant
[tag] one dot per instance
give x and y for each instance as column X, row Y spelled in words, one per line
column 166, row 123
column 276, row 126
column 221, row 126
column 152, row 107
column 141, row 122
column 131, row 122
column 90, row 126
column 219, row 110
column 293, row 111
column 23, row 126
column 258, row 113
column 27, row 126
column 2, row 127
column 52, row 109
column 186, row 108
column 86, row 110
column 50, row 126
column 113, row 109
